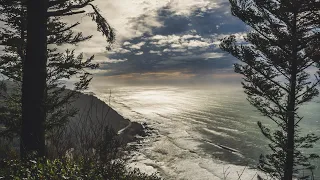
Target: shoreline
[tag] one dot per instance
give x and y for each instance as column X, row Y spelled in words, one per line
column 150, row 160
column 178, row 142
column 125, row 128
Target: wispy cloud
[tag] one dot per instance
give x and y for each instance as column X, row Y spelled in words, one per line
column 161, row 36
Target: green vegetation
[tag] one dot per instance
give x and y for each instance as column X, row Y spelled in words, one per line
column 99, row 154
column 36, row 108
column 275, row 61
column 69, row 169
column 58, row 64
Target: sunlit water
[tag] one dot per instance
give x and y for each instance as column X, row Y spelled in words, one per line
column 194, row 126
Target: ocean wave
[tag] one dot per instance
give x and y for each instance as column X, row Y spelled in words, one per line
column 192, row 129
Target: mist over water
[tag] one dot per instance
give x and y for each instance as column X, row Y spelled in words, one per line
column 201, row 132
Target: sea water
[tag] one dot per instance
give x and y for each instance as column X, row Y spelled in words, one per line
column 201, row 132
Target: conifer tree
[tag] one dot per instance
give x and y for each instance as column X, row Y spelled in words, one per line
column 277, row 60
column 58, row 65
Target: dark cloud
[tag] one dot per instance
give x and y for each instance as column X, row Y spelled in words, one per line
column 185, row 43
column 204, row 20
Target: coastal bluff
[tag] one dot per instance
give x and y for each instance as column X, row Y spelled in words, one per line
column 94, row 114
column 102, row 114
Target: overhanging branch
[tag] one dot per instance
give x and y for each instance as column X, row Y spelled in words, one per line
column 69, row 13
column 68, row 10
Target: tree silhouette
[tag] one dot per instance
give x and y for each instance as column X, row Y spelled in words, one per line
column 54, row 67
column 276, row 58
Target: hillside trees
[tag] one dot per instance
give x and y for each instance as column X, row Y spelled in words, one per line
column 54, row 66
column 277, row 60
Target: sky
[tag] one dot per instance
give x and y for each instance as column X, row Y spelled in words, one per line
column 166, row 41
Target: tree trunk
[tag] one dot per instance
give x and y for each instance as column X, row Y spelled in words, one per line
column 288, row 172
column 291, row 129
column 32, row 138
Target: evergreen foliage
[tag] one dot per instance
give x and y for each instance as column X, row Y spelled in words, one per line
column 61, row 65
column 107, row 163
column 70, row 169
column 277, row 60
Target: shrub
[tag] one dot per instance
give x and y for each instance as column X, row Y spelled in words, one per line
column 70, row 169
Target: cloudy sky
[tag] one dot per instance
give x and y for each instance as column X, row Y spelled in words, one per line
column 162, row 41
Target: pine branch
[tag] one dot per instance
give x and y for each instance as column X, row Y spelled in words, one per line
column 69, row 13
column 270, row 79
column 63, row 30
column 68, row 9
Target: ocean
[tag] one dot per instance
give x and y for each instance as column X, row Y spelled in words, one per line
column 200, row 132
